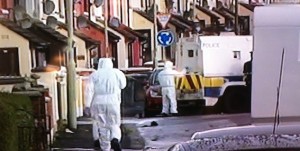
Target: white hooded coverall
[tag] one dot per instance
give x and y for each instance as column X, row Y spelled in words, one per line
column 166, row 80
column 103, row 96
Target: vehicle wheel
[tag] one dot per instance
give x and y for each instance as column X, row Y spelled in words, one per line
column 219, row 106
column 200, row 107
column 235, row 100
column 146, row 113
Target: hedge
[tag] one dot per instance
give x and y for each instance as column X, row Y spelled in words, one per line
column 15, row 111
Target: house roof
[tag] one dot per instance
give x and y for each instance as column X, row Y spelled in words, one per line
column 78, row 34
column 176, row 20
column 24, row 32
column 139, row 35
column 207, row 11
column 110, row 34
column 226, row 15
column 127, row 34
column 227, row 11
column 39, row 26
column 86, row 38
column 181, row 22
column 144, row 14
column 248, row 6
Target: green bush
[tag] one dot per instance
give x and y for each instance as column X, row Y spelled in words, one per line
column 15, row 111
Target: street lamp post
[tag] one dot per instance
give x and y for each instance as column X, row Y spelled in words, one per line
column 72, row 122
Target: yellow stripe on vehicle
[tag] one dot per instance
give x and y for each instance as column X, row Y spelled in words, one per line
column 194, row 81
column 190, row 81
column 213, row 81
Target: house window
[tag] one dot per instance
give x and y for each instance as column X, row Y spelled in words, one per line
column 244, row 23
column 9, row 60
column 190, row 53
column 75, row 56
column 237, row 55
column 40, row 58
column 86, row 5
column 94, row 56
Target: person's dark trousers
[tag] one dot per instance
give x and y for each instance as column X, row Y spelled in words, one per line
column 115, row 145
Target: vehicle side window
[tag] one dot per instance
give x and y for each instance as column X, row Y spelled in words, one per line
column 156, row 82
column 151, row 78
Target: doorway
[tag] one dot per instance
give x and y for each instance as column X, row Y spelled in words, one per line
column 9, row 62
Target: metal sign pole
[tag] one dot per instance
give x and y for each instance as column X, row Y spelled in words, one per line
column 105, row 28
column 71, row 74
column 236, row 18
column 155, row 61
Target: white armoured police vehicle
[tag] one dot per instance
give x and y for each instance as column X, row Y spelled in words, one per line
column 219, row 61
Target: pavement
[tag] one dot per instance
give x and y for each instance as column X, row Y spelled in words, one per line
column 157, row 134
column 81, row 139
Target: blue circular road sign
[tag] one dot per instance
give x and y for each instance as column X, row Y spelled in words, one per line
column 165, row 38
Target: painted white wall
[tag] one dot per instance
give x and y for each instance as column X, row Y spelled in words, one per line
column 134, row 4
column 125, row 12
column 80, row 48
column 9, row 38
column 271, row 36
column 60, row 16
column 48, row 80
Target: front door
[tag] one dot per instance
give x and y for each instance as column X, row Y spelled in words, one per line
column 9, row 62
column 146, row 47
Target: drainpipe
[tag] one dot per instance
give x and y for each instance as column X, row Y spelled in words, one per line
column 72, row 122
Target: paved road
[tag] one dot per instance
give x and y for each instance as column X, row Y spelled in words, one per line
column 172, row 130
column 168, row 131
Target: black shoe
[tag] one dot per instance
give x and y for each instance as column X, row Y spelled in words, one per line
column 174, row 114
column 115, row 145
column 96, row 144
column 164, row 114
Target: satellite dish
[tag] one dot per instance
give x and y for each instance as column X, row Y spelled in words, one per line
column 229, row 26
column 23, row 19
column 81, row 21
column 115, row 22
column 26, row 22
column 19, row 12
column 51, row 22
column 49, row 7
column 77, row 1
column 98, row 3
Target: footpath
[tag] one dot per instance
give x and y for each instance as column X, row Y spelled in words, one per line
column 81, row 139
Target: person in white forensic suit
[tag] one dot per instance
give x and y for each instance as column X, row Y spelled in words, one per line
column 166, row 80
column 103, row 101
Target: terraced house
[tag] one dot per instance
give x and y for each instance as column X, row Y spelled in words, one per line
column 34, row 33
